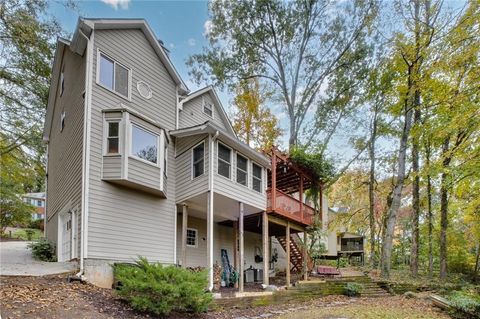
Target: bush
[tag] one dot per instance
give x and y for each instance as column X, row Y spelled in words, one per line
column 36, row 224
column 465, row 304
column 162, row 289
column 43, row 250
column 352, row 289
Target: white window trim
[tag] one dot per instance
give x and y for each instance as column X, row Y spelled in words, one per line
column 105, row 134
column 261, row 178
column 129, row 95
column 203, row 108
column 131, row 155
column 192, row 163
column 236, row 169
column 196, row 238
column 231, row 161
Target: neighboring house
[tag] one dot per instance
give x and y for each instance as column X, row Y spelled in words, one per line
column 140, row 166
column 338, row 241
column 37, row 200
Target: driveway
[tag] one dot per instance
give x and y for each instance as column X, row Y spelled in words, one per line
column 16, row 260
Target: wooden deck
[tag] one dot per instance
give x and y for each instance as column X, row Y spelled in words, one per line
column 289, row 207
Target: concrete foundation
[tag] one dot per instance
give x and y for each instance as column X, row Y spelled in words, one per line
column 99, row 272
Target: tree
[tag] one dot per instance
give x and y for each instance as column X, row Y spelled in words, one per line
column 252, row 121
column 300, row 48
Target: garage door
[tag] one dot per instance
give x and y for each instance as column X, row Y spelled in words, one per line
column 67, row 237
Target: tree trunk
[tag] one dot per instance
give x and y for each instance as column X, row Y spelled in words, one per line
column 477, row 261
column 429, row 213
column 444, row 209
column 371, row 189
column 415, row 192
column 397, row 195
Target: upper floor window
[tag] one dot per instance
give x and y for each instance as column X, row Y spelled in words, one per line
column 113, row 137
column 257, row 177
column 208, row 109
column 144, row 144
column 198, row 160
column 224, row 160
column 39, row 203
column 113, row 76
column 242, row 164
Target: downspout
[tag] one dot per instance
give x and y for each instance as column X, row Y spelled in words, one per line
column 86, row 154
column 210, row 210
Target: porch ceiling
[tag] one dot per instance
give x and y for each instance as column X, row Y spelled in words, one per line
column 253, row 223
column 224, row 208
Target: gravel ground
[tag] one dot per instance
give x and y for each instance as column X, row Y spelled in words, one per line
column 53, row 297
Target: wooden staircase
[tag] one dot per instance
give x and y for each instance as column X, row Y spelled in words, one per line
column 296, row 255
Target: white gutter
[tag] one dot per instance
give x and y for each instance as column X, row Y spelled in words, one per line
column 210, row 210
column 86, row 153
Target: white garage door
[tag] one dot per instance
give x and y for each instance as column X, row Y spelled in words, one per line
column 66, row 237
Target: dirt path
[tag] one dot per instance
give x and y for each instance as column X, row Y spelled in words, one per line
column 53, row 297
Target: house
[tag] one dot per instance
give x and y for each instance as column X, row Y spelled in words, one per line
column 37, row 200
column 338, row 241
column 140, row 166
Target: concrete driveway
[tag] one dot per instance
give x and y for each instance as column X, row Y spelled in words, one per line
column 16, row 260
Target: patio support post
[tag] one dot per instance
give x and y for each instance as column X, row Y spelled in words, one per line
column 305, row 256
column 240, row 271
column 235, row 245
column 301, row 197
column 266, row 248
column 184, row 234
column 287, row 237
column 210, row 240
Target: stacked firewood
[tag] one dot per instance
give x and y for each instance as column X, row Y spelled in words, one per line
column 217, row 274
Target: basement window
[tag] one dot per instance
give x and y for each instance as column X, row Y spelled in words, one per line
column 192, row 237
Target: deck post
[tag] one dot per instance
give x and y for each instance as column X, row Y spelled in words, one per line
column 235, row 244
column 240, row 271
column 301, row 197
column 184, row 234
column 266, row 248
column 274, row 180
column 287, row 238
column 305, row 261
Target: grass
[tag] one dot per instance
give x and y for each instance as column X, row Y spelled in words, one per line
column 22, row 234
column 392, row 308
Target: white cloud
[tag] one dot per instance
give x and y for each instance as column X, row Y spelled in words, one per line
column 171, row 45
column 191, row 42
column 207, row 27
column 122, row 4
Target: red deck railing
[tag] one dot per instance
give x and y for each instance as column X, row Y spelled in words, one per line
column 290, row 207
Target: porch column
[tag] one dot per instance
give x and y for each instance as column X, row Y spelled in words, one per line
column 287, row 237
column 235, row 245
column 241, row 266
column 210, row 240
column 184, row 234
column 305, row 256
column 266, row 248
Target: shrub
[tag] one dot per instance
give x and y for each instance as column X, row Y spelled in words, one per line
column 162, row 289
column 36, row 224
column 352, row 289
column 43, row 250
column 465, row 304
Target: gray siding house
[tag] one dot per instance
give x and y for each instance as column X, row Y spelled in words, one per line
column 140, row 166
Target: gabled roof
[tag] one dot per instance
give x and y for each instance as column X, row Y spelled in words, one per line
column 210, row 128
column 78, row 44
column 211, row 90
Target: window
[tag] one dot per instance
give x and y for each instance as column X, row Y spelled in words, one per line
column 113, row 137
column 113, row 75
column 165, row 157
column 62, row 83
column 224, row 160
column 39, row 203
column 257, row 177
column 242, row 175
column 191, row 237
column 62, row 121
column 144, row 144
column 198, row 160
column 208, row 109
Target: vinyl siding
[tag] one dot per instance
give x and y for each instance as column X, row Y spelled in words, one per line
column 65, row 148
column 112, row 167
column 232, row 189
column 143, row 173
column 186, row 187
column 192, row 113
column 125, row 223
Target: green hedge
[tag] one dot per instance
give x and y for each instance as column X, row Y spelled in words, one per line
column 151, row 287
